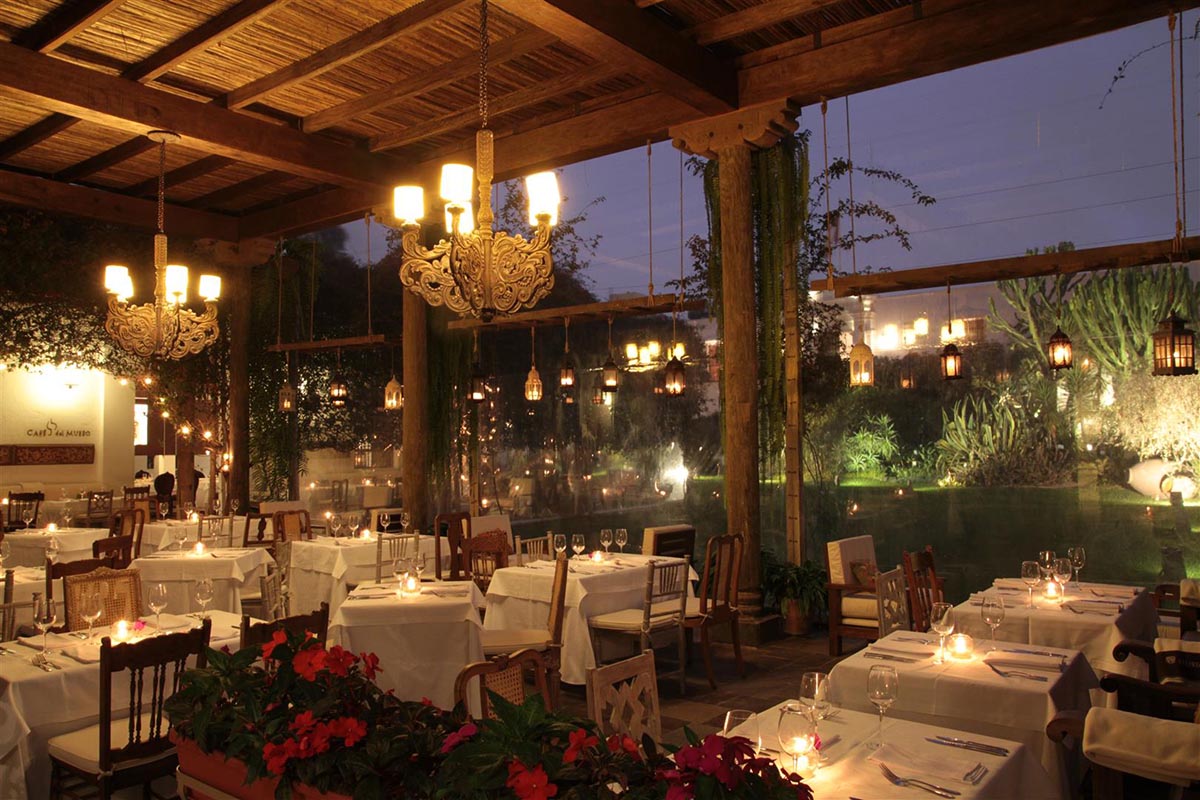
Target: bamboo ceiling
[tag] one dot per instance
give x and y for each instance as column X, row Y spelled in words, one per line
column 297, row 114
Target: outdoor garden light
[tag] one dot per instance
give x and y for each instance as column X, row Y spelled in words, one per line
column 1059, row 350
column 862, row 365
column 951, row 359
column 393, row 395
column 674, row 379
column 610, row 374
column 1174, row 347
column 338, row 391
column 533, row 381
column 287, row 392
column 566, row 375
column 598, row 396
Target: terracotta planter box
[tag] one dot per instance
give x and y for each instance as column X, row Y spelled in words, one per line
column 229, row 776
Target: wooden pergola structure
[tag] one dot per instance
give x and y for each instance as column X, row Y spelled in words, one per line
column 300, row 114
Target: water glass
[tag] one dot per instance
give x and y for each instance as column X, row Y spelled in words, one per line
column 44, row 616
column 405, row 520
column 577, row 544
column 798, row 736
column 1031, row 574
column 1046, row 562
column 418, row 562
column 164, row 508
column 740, row 722
column 883, row 687
column 52, row 549
column 204, row 595
column 814, row 694
column 1062, row 570
column 560, row 543
column 606, row 539
column 1078, row 558
column 992, row 613
column 93, row 609
column 5, row 552
column 157, row 601
column 385, row 520
column 941, row 620
column 622, row 538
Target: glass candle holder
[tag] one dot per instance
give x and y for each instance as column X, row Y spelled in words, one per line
column 121, row 631
column 1052, row 591
column 961, row 647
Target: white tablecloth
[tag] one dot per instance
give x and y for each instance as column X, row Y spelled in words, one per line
column 234, row 571
column 29, row 549
column 26, row 582
column 845, row 769
column 322, row 568
column 36, row 706
column 519, row 597
column 971, row 697
column 1095, row 633
column 423, row 641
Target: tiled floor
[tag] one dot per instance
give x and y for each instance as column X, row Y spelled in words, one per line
column 772, row 674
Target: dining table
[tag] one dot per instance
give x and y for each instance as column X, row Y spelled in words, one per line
column 999, row 689
column 1090, row 617
column 518, row 597
column 423, row 639
column 28, row 548
column 324, row 569
column 234, row 572
column 36, row 705
column 974, row 765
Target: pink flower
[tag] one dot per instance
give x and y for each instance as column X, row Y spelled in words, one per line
column 459, row 736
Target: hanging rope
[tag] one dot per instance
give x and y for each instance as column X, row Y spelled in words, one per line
column 650, row 214
column 1182, row 137
column 312, row 291
column 279, row 294
column 850, row 177
column 533, row 347
column 679, row 292
column 1175, row 113
column 828, row 213
column 370, row 328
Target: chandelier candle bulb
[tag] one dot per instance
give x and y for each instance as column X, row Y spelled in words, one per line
column 457, row 182
column 408, row 204
column 210, row 288
column 961, row 646
column 176, row 283
column 466, row 218
column 544, row 197
column 118, row 282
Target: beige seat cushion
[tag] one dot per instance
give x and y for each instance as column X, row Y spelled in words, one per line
column 81, row 748
column 510, row 641
column 860, row 609
column 843, row 552
column 1158, row 749
column 662, row 615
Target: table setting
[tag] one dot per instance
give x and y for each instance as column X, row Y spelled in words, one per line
column 232, row 572
column 31, row 548
column 323, row 568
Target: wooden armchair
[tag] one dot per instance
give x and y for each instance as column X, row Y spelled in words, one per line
column 259, row 633
column 924, row 586
column 622, row 698
column 505, row 675
column 118, row 549
column 676, row 541
column 483, row 554
column 129, row 522
column 455, row 527
column 853, row 606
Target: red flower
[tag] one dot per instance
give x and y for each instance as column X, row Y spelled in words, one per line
column 530, row 784
column 348, row 728
column 370, row 663
column 459, row 736
column 616, row 743
column 303, row 723
column 277, row 638
column 680, row 791
column 425, row 701
column 579, row 741
column 277, row 755
column 308, row 662
column 339, row 661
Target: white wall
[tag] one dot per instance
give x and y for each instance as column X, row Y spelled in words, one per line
column 62, row 405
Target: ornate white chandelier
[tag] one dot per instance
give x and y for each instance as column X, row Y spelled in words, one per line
column 163, row 329
column 478, row 272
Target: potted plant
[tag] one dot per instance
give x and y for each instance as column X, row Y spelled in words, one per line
column 798, row 590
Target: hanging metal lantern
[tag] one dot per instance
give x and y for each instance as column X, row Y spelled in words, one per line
column 1174, row 347
column 610, row 376
column 952, row 363
column 287, row 398
column 598, row 396
column 393, row 395
column 566, row 375
column 906, row 377
column 477, row 388
column 1059, row 351
column 533, row 386
column 862, row 365
column 339, row 393
column 674, row 377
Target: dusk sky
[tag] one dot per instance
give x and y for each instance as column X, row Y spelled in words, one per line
column 1017, row 153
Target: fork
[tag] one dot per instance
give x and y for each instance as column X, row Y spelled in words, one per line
column 932, row 788
column 1015, row 673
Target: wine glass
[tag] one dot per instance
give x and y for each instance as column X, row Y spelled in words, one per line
column 992, row 613
column 204, row 595
column 942, row 623
column 606, row 539
column 814, row 694
column 1046, row 562
column 157, row 601
column 401, row 567
column 5, row 552
column 1062, row 571
column 883, row 686
column 233, row 506
column 419, row 564
column 577, row 544
column 44, row 617
column 336, row 523
column 385, row 520
column 622, row 538
column 52, row 550
column 93, row 609
column 560, row 543
column 405, row 520
column 1078, row 558
column 164, row 507
column 1030, row 575
column 797, row 734
column 188, row 508
column 27, row 516
column 747, row 721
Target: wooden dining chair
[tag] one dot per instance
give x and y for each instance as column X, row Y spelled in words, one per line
column 117, row 548
column 120, row 594
column 853, row 606
column 99, row 510
column 622, row 698
column 454, row 528
column 505, row 675
column 128, row 746
column 924, row 586
column 18, row 504
column 392, row 546
column 256, row 634
column 132, row 494
column 892, row 601
column 61, row 570
column 217, row 531
column 254, row 532
column 273, row 600
column 483, row 554
column 673, row 541
column 292, row 526
column 664, row 607
column 718, row 598
column 535, row 548
column 129, row 522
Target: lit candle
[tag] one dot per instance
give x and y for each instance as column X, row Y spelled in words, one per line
column 51, row 527
column 961, row 646
column 199, row 549
column 193, row 517
column 597, row 556
column 121, row 631
column 806, row 756
column 365, row 534
column 1053, row 590
column 412, row 585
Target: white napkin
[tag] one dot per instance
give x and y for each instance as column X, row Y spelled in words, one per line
column 1010, row 583
column 907, row 648
column 1107, row 609
column 173, row 623
column 1004, row 659
column 908, row 764
column 1159, row 749
column 1109, row 590
column 86, row 653
column 54, row 641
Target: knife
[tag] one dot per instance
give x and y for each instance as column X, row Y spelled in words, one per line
column 883, row 657
column 1032, row 652
column 965, row 745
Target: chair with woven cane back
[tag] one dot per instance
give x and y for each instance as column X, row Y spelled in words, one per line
column 454, row 528
column 718, row 598
column 622, row 698
column 120, row 593
column 117, row 548
column 483, row 554
column 65, row 569
column 259, row 633
column 292, row 526
column 129, row 522
column 129, row 746
column 505, row 675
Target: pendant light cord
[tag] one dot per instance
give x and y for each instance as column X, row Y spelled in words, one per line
column 483, row 63
column 850, row 178
column 1175, row 114
column 566, row 335
column 650, row 214
column 949, row 314
column 679, row 290
column 312, row 293
column 828, row 213
column 533, row 347
column 370, row 328
column 279, row 293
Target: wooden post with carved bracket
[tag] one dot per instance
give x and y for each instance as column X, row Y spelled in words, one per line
column 730, row 138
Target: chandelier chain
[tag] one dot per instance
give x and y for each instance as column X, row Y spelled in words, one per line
column 162, row 181
column 483, row 61
column 533, row 347
column 279, row 293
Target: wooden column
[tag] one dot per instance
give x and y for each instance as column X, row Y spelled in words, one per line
column 793, row 430
column 414, row 452
column 293, row 378
column 185, row 460
column 730, row 138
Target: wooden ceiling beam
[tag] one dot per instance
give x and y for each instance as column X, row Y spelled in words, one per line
column 359, row 44
column 616, row 32
column 426, row 81
column 64, row 22
column 1118, row 256
column 324, row 345
column 754, row 18
column 118, row 209
column 36, row 133
column 102, row 161
column 948, row 35
column 541, row 92
column 188, row 172
column 120, row 104
column 227, row 194
column 586, row 312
